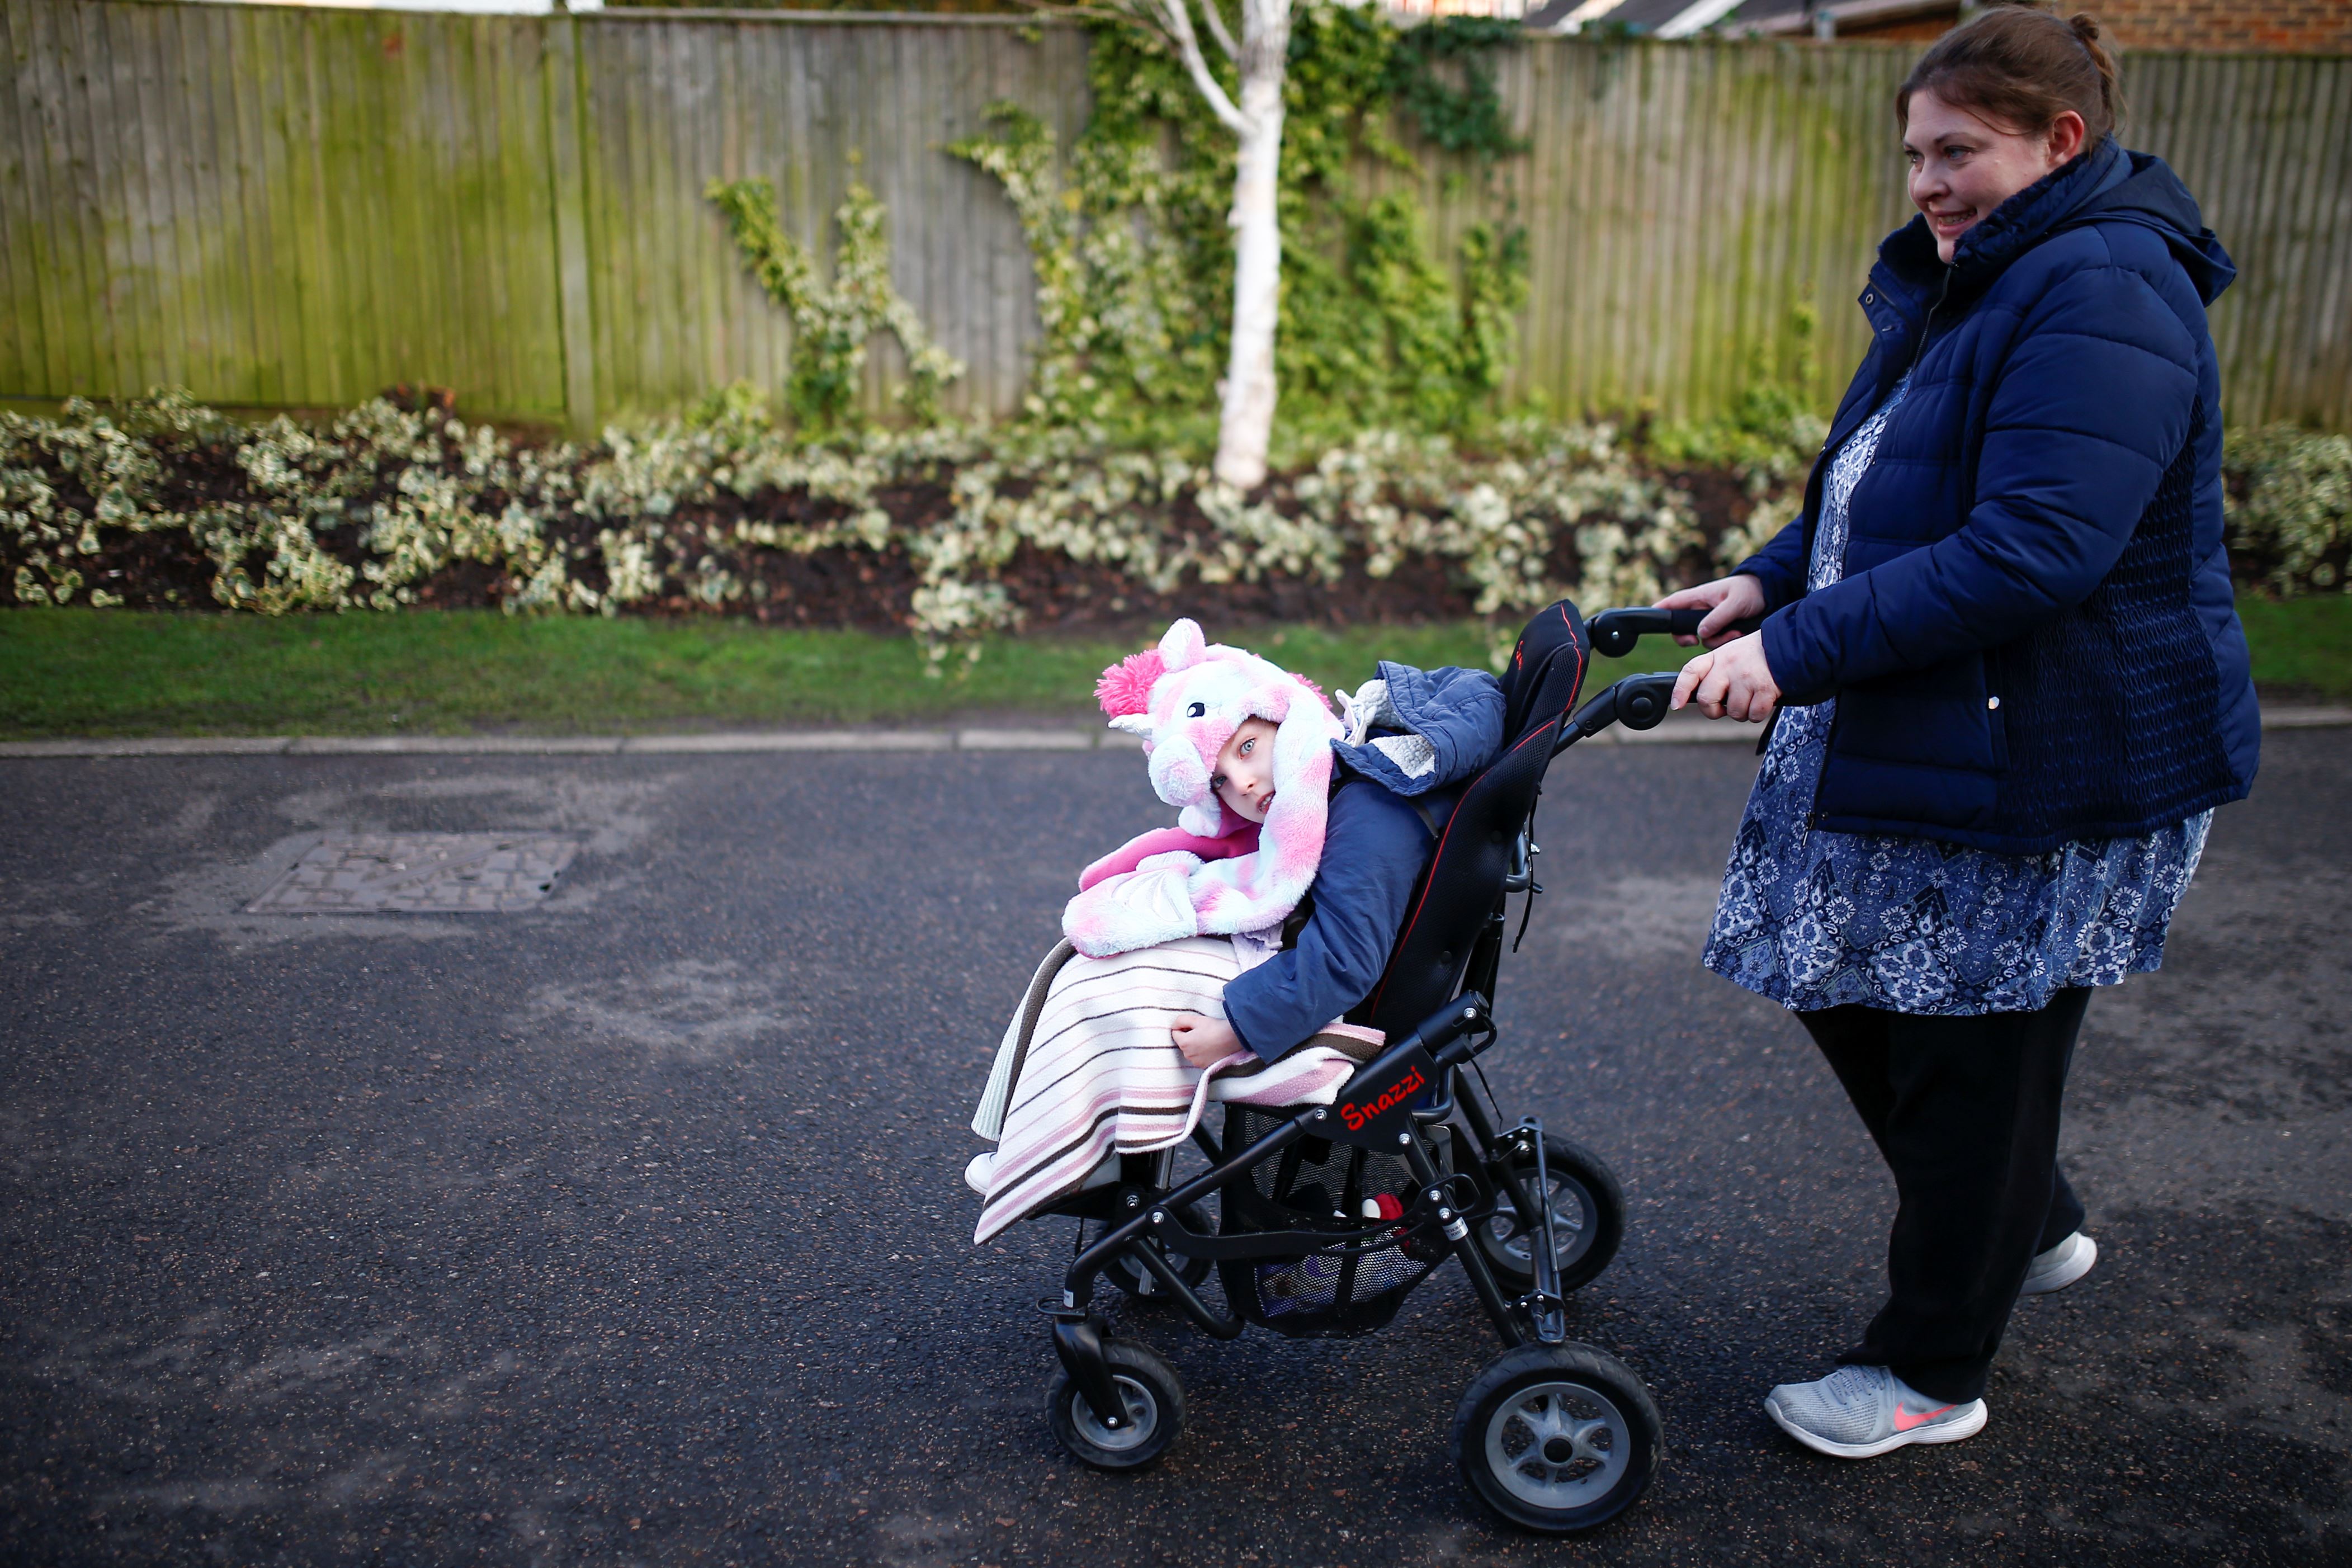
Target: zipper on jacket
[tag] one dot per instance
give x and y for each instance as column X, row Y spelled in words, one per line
column 1811, row 513
column 1928, row 323
column 1828, row 742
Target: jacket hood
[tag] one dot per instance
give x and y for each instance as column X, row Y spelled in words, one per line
column 1415, row 731
column 2107, row 184
column 2152, row 195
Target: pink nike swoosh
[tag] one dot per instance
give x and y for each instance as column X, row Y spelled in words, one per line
column 1905, row 1421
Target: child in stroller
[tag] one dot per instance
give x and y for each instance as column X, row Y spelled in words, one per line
column 1233, row 956
column 1350, row 1161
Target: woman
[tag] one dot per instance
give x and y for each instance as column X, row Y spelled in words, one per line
column 2006, row 684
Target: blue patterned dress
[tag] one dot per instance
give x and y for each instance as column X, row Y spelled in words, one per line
column 1814, row 920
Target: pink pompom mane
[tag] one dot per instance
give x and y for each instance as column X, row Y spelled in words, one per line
column 1126, row 687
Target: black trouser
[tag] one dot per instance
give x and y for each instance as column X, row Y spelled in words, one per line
column 1965, row 1113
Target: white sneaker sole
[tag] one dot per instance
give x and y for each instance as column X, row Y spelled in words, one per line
column 1966, row 1425
column 2059, row 1278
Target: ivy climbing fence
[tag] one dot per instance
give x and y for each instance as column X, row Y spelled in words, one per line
column 292, row 208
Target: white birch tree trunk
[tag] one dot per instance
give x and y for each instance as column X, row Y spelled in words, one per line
column 1245, row 422
column 1246, row 419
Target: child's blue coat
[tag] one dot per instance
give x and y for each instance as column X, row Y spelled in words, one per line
column 1376, row 844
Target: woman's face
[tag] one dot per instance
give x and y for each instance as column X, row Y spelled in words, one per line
column 1962, row 167
column 1244, row 776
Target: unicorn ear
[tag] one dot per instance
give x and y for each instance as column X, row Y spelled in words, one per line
column 1136, row 724
column 1183, row 644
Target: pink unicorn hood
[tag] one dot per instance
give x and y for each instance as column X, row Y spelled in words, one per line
column 1184, row 700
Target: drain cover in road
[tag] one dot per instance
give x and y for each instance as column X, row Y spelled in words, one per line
column 423, row 873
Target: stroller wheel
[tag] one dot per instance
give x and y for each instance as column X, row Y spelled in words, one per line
column 1155, row 1410
column 1558, row 1439
column 1588, row 1217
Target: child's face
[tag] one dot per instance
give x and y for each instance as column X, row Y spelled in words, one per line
column 1244, row 776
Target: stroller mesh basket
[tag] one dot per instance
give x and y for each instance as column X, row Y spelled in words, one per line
column 1317, row 1295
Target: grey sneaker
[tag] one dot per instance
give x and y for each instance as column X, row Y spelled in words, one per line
column 1859, row 1412
column 2061, row 1266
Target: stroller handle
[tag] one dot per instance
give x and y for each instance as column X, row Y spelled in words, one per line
column 1637, row 702
column 1615, row 632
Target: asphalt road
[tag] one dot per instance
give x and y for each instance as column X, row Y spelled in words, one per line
column 630, row 1228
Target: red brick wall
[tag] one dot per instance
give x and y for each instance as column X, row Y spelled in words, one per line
column 2244, row 26
column 1911, row 30
column 2277, row 26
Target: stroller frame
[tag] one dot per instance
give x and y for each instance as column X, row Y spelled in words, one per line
column 1403, row 1102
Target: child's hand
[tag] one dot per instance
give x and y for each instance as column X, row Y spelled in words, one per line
column 1204, row 1041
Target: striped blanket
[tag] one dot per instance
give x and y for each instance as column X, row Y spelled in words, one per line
column 1087, row 1067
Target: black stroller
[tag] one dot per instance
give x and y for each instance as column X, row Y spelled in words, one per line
column 1326, row 1218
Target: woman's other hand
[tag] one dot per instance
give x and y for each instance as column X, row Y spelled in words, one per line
column 1204, row 1041
column 1728, row 601
column 1734, row 681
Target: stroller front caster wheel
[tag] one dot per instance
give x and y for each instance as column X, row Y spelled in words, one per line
column 1558, row 1439
column 1155, row 1410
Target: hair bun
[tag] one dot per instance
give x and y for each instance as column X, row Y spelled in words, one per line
column 2020, row 68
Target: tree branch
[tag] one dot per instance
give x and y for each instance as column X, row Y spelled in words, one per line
column 1112, row 11
column 1170, row 21
column 1219, row 31
column 1178, row 15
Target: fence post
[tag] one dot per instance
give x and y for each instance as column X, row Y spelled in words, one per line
column 568, row 190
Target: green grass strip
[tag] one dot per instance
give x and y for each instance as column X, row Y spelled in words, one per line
column 2300, row 647
column 116, row 672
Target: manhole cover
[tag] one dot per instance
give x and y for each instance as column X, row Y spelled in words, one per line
column 421, row 872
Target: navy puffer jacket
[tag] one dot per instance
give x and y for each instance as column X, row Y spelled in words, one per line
column 2033, row 641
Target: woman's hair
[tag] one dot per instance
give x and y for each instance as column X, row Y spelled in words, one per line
column 2021, row 68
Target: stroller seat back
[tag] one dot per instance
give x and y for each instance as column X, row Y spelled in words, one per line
column 1463, row 887
column 1453, row 924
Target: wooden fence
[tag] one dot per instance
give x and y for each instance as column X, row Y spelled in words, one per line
column 288, row 207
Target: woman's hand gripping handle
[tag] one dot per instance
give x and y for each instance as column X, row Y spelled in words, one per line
column 1734, row 680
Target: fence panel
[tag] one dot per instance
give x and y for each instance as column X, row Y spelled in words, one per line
column 669, row 105
column 275, row 206
column 1683, row 203
column 293, row 207
column 2266, row 145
